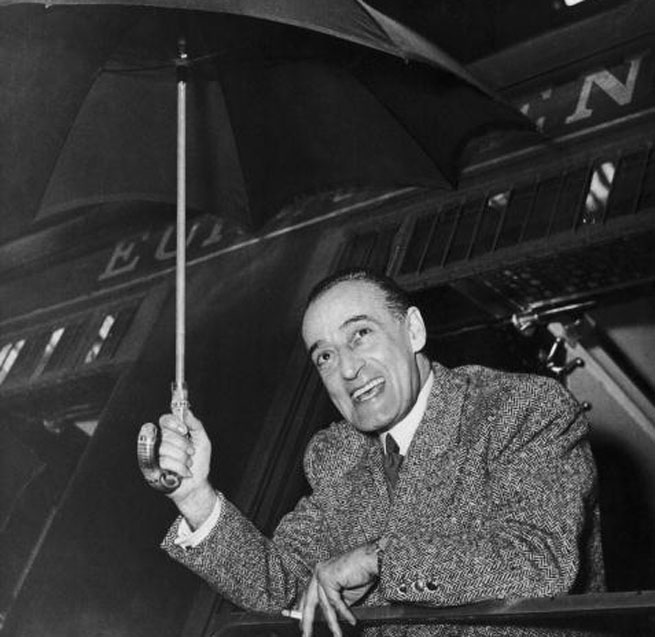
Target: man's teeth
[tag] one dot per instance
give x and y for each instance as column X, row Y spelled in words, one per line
column 359, row 393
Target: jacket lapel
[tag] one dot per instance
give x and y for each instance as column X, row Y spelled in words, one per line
column 361, row 502
column 367, row 507
column 434, row 449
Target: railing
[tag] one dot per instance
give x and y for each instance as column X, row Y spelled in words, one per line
column 543, row 207
column 630, row 613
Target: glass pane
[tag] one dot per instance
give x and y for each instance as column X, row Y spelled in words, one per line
column 626, row 185
column 61, row 356
column 101, row 337
column 518, row 208
column 417, row 243
column 4, row 351
column 647, row 198
column 11, row 352
column 543, row 208
column 29, row 355
column 492, row 216
column 443, row 230
column 598, row 194
column 571, row 201
column 49, row 350
column 466, row 225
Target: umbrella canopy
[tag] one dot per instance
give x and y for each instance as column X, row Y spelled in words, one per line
column 88, row 109
column 353, row 20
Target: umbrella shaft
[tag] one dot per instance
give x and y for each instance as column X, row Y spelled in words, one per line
column 180, row 328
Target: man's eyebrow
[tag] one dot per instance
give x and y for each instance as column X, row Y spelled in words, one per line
column 313, row 348
column 346, row 323
column 356, row 319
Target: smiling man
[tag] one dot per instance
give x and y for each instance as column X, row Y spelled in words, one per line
column 438, row 486
column 367, row 350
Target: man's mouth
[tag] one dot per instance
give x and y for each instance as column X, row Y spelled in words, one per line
column 372, row 388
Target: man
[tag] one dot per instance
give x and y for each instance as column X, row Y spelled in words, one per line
column 486, row 490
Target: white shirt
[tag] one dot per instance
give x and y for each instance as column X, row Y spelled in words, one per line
column 403, row 432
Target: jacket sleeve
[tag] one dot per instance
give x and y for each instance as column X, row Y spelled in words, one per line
column 539, row 483
column 253, row 571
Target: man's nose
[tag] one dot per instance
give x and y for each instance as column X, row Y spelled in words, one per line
column 350, row 363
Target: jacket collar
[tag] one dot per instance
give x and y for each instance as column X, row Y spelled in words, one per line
column 441, row 421
column 438, row 431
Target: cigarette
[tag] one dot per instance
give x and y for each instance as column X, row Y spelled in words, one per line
column 293, row 614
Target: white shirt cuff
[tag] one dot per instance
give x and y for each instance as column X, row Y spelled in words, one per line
column 186, row 538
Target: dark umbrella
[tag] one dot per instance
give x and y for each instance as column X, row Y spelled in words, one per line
column 293, row 112
column 276, row 111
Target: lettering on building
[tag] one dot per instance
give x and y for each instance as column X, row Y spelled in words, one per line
column 149, row 251
column 603, row 93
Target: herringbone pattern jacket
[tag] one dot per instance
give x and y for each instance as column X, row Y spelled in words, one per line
column 495, row 499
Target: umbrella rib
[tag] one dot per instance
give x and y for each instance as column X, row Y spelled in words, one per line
column 160, row 67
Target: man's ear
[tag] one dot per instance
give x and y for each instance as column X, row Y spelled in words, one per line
column 416, row 329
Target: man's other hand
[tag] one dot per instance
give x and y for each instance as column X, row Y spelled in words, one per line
column 336, row 585
column 186, row 449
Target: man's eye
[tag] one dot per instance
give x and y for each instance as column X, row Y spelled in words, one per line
column 323, row 359
column 361, row 333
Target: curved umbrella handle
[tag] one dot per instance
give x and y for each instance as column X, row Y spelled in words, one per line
column 148, row 443
column 146, row 453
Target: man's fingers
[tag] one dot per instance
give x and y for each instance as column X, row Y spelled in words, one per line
column 328, row 612
column 192, row 422
column 169, row 422
column 308, row 608
column 176, row 466
column 341, row 607
column 175, row 453
column 332, row 594
column 174, row 439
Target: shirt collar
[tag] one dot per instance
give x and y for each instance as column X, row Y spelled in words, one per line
column 404, row 431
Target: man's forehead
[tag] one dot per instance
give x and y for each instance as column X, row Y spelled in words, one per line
column 343, row 303
column 350, row 296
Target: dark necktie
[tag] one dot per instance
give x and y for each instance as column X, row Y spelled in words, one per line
column 392, row 461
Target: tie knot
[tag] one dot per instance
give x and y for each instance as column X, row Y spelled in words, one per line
column 391, row 462
column 391, row 446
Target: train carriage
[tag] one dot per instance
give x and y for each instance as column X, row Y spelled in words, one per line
column 540, row 260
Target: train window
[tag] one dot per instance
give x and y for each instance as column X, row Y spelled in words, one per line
column 518, row 210
column 627, row 184
column 8, row 355
column 30, row 353
column 61, row 348
column 598, row 194
column 49, row 350
column 462, row 241
column 100, row 339
column 491, row 219
column 647, row 198
column 110, row 333
column 418, row 243
column 441, row 237
column 61, row 355
column 538, row 221
column 571, row 201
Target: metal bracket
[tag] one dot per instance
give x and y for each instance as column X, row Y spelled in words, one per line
column 556, row 354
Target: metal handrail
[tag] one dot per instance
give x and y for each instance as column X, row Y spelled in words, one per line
column 507, row 611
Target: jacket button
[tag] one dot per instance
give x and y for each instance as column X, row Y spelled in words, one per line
column 431, row 586
column 419, row 586
column 402, row 589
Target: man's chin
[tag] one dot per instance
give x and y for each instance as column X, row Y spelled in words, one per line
column 370, row 425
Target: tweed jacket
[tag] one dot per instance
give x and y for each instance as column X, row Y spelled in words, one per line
column 496, row 498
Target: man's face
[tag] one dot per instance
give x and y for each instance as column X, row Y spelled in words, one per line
column 365, row 355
